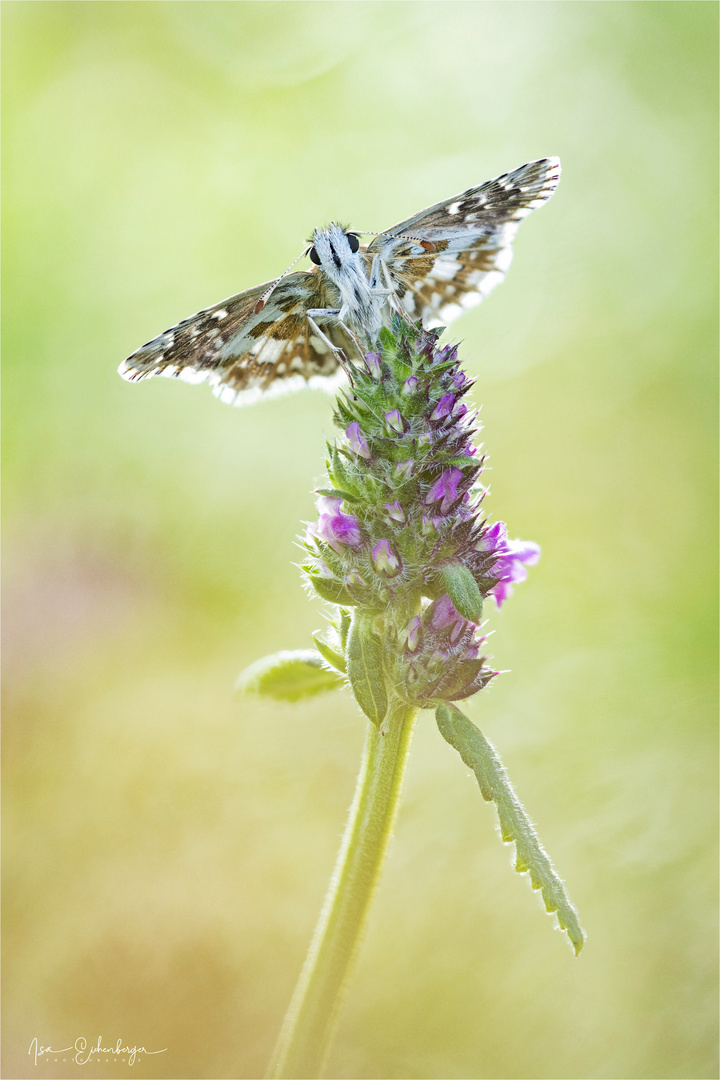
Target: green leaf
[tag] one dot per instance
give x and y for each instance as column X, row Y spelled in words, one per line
column 288, row 676
column 336, row 659
column 387, row 339
column 515, row 825
column 365, row 667
column 330, row 590
column 462, row 588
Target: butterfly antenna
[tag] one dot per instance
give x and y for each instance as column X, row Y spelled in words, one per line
column 427, row 244
column 268, row 292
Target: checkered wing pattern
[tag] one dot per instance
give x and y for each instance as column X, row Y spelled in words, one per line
column 245, row 354
column 471, row 235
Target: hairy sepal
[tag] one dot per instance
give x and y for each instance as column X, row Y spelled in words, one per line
column 515, row 825
column 364, row 655
column 288, row 676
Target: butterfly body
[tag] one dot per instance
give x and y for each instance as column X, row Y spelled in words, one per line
column 360, row 297
column 296, row 331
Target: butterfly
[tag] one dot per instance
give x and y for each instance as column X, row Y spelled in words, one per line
column 298, row 329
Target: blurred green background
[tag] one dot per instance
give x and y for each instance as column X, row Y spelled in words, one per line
column 167, row 848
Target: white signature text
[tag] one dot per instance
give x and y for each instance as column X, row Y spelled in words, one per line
column 82, row 1054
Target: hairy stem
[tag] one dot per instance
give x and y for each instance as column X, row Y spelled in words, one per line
column 310, row 1022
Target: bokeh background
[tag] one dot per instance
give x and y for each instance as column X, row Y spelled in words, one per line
column 167, row 848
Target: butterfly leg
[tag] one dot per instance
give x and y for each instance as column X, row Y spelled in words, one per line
column 377, row 271
column 326, row 313
column 382, row 268
column 337, row 316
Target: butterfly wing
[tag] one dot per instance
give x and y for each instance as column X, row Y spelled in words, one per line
column 242, row 353
column 472, row 236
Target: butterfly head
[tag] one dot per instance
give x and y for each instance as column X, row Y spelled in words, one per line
column 333, row 248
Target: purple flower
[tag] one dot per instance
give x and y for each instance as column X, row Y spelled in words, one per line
column 395, row 421
column 494, row 537
column 385, row 559
column 444, row 407
column 459, row 380
column 373, row 362
column 333, row 526
column 410, row 384
column 444, row 490
column 357, row 443
column 395, row 511
column 512, row 556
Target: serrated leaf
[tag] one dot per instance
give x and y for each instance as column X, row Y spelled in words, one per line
column 515, row 825
column 462, row 588
column 288, row 676
column 336, row 659
column 365, row 667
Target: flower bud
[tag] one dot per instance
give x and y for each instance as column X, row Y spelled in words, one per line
column 395, row 421
column 373, row 364
column 443, row 408
column 395, row 511
column 357, row 442
column 384, row 559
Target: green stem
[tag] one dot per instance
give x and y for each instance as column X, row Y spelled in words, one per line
column 310, row 1022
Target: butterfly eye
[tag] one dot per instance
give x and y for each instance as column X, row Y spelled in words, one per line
column 314, row 257
column 352, row 241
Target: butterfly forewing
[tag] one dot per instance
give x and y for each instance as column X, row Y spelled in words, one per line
column 509, row 197
column 243, row 351
column 472, row 236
